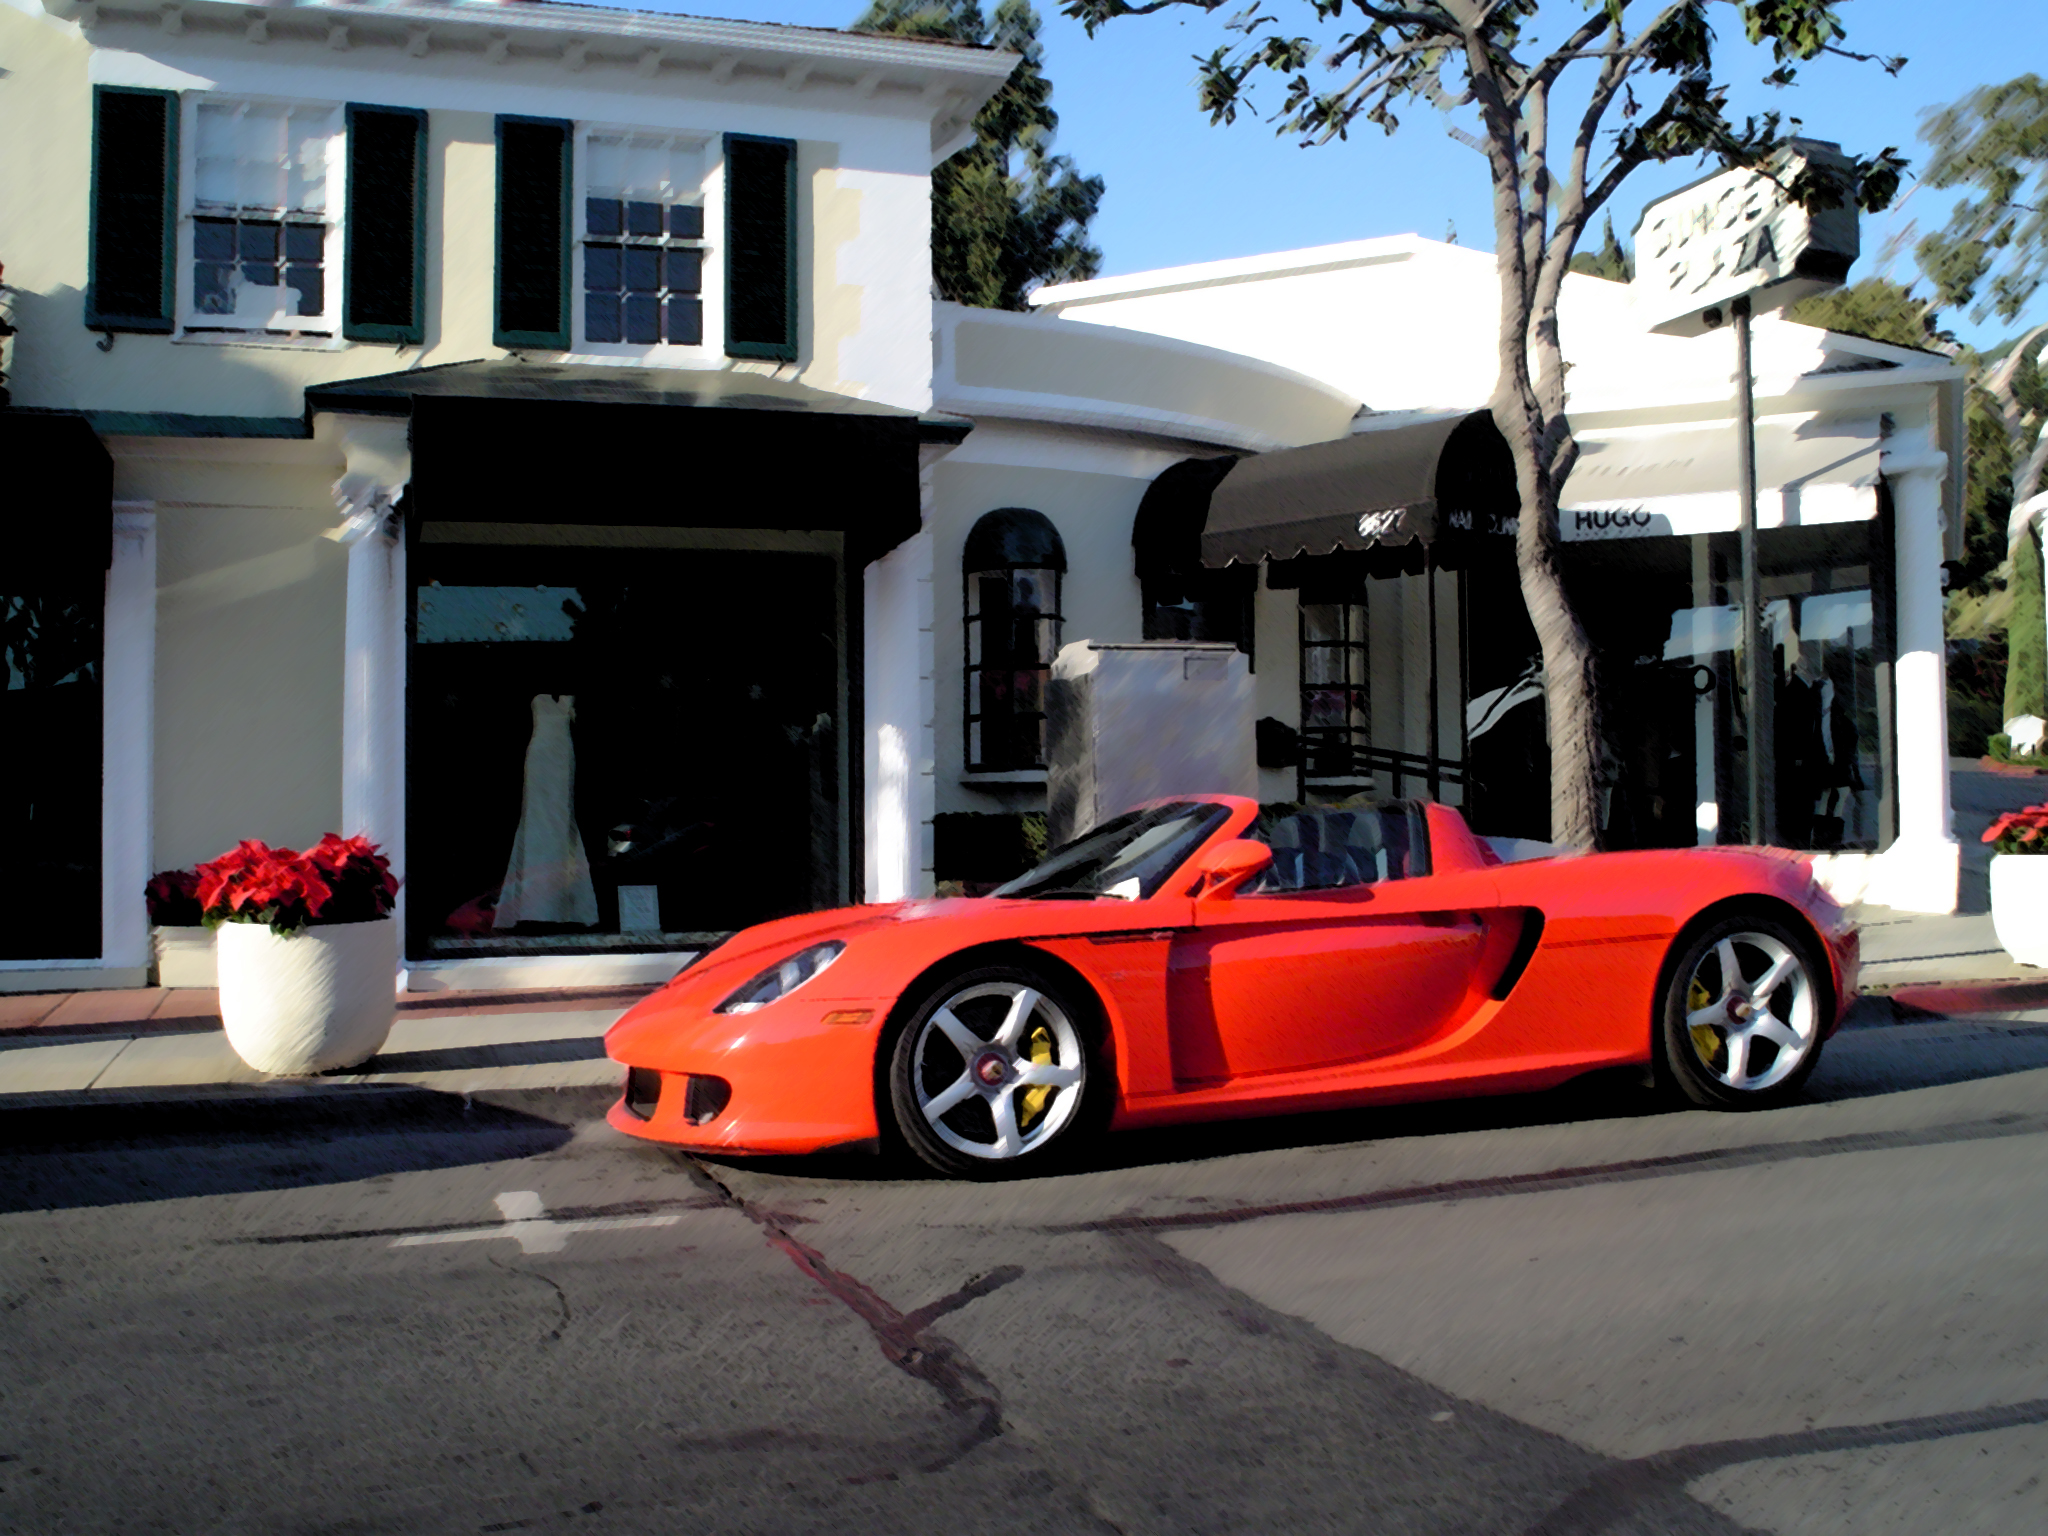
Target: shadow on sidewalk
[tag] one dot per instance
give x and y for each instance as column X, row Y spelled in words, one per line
column 122, row 1153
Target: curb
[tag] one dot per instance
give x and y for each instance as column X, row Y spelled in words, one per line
column 1955, row 997
column 411, row 1005
column 124, row 1115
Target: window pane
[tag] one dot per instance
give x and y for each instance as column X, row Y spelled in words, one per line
column 601, row 317
column 302, row 242
column 259, row 274
column 643, row 318
column 601, row 268
column 643, row 268
column 605, row 164
column 258, row 241
column 686, row 222
column 312, row 289
column 213, row 240
column 643, row 218
column 307, row 176
column 685, row 271
column 265, row 159
column 213, row 288
column 604, row 216
column 685, row 322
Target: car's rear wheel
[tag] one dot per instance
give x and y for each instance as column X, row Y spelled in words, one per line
column 996, row 1073
column 1744, row 1011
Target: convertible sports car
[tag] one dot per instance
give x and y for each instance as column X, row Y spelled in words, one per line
column 1199, row 958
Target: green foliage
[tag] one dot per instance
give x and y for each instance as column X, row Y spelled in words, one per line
column 1876, row 309
column 1007, row 213
column 1424, row 51
column 2026, row 686
column 1613, row 261
column 1994, row 251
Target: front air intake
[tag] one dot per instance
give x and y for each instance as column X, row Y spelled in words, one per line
column 643, row 1091
column 706, row 1099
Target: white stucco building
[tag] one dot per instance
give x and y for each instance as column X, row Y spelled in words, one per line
column 385, row 371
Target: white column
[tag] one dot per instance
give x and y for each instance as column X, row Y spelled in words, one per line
column 1919, row 872
column 127, row 738
column 373, row 640
column 897, row 702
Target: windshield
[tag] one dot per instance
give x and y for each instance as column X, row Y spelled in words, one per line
column 1129, row 857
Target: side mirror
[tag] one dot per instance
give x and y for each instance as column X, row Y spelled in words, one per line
column 1229, row 866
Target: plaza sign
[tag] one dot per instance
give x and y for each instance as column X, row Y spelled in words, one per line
column 1737, row 234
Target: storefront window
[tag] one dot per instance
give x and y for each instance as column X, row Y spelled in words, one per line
column 620, row 748
column 1664, row 619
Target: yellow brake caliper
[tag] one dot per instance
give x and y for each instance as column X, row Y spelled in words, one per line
column 1706, row 1040
column 1038, row 1050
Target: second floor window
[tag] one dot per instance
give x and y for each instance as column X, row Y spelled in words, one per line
column 264, row 182
column 643, row 240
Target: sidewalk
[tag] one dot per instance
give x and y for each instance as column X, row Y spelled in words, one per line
column 61, row 1049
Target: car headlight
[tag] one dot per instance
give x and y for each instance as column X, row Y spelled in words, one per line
column 782, row 978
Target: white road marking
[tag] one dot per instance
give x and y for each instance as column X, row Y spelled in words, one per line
column 528, row 1224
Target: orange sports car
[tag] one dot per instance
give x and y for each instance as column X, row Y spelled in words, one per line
column 1201, row 958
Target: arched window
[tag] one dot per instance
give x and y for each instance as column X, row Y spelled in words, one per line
column 1012, row 564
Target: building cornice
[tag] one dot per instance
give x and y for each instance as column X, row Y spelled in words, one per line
column 943, row 83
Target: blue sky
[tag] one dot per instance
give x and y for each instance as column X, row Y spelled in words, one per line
column 1181, row 191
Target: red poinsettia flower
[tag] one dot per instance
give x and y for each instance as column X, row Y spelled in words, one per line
column 338, row 880
column 2021, row 831
column 172, row 897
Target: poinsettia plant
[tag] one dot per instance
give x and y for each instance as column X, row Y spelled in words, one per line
column 172, row 897
column 2021, row 831
column 338, row 880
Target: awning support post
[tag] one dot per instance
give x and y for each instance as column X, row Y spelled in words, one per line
column 1435, row 764
column 1756, row 680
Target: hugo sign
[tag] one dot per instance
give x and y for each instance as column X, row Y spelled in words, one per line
column 1740, row 234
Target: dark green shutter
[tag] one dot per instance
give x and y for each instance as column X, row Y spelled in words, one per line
column 133, row 243
column 533, row 233
column 385, row 263
column 760, row 247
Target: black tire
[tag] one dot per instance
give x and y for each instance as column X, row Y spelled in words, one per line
column 1000, row 1122
column 1722, row 1045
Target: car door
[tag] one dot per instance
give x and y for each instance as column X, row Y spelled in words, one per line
column 1349, row 952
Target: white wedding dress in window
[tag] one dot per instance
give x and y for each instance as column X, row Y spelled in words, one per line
column 548, row 878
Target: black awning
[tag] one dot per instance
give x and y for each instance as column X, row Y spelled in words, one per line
column 1377, row 486
column 1166, row 535
column 63, row 536
column 510, row 442
column 1380, row 502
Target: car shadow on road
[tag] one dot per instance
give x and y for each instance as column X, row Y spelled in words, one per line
column 127, row 1153
column 1881, row 1050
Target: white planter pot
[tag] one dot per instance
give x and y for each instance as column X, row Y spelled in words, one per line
column 184, row 957
column 2019, row 905
column 321, row 999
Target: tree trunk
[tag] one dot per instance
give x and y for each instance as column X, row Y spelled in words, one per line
column 1570, row 679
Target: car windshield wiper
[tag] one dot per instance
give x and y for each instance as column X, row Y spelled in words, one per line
column 1060, row 893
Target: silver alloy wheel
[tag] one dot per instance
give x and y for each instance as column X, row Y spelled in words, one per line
column 1025, row 1064
column 1750, row 988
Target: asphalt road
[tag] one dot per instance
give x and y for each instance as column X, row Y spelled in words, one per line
column 1576, row 1312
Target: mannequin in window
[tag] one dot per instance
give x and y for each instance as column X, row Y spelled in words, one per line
column 547, row 879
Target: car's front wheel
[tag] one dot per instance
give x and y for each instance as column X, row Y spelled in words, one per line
column 995, row 1073
column 1744, row 1012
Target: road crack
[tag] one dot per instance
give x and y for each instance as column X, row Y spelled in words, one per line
column 904, row 1338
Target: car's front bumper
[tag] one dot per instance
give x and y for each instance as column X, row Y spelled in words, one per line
column 796, row 1084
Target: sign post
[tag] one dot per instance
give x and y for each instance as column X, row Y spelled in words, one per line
column 1720, row 249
